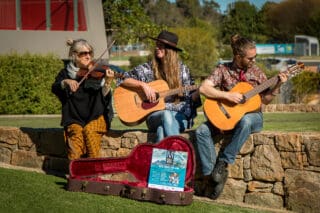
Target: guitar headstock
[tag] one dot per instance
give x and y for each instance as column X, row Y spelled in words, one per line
column 295, row 69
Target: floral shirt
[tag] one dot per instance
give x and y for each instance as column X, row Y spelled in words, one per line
column 226, row 76
column 145, row 73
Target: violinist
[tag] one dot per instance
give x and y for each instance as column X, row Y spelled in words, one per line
column 83, row 89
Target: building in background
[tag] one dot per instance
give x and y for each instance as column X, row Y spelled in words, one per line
column 306, row 45
column 43, row 26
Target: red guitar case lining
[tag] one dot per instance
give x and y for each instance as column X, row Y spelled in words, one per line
column 85, row 174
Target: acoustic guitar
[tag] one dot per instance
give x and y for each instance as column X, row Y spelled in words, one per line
column 225, row 115
column 133, row 108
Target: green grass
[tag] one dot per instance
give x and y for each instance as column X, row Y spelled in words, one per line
column 292, row 122
column 23, row 191
column 289, row 122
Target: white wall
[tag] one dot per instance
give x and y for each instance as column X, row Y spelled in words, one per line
column 44, row 42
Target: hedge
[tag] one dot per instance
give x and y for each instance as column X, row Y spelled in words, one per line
column 25, row 84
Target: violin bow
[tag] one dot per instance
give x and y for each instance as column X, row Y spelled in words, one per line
column 95, row 64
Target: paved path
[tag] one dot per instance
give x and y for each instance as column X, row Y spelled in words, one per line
column 120, row 63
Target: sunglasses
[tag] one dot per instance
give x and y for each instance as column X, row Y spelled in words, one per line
column 251, row 58
column 84, row 53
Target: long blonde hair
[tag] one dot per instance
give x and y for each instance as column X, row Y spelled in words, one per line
column 169, row 69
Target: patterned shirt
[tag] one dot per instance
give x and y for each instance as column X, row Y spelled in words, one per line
column 145, row 73
column 226, row 76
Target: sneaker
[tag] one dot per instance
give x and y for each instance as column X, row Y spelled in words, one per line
column 218, row 186
column 220, row 171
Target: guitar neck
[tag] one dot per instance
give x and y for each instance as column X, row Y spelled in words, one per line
column 178, row 90
column 292, row 70
column 261, row 87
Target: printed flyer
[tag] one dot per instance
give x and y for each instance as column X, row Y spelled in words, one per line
column 168, row 169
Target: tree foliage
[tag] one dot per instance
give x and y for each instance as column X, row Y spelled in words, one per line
column 292, row 17
column 179, row 13
column 242, row 18
column 126, row 21
column 200, row 52
column 168, row 15
column 189, row 8
column 274, row 22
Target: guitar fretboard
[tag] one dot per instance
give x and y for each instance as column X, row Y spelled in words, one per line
column 294, row 69
column 178, row 90
column 261, row 87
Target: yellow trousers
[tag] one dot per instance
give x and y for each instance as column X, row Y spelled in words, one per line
column 85, row 141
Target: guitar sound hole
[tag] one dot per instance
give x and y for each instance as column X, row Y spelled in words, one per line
column 148, row 105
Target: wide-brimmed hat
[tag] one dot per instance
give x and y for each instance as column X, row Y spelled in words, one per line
column 169, row 39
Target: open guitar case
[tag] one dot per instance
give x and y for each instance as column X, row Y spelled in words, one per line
column 87, row 175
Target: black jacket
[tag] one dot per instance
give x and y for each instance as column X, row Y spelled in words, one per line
column 85, row 105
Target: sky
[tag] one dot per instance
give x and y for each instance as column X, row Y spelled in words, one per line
column 258, row 3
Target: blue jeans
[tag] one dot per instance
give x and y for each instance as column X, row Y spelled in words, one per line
column 249, row 123
column 166, row 122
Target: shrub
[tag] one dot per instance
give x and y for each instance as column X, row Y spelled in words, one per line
column 25, row 84
column 304, row 84
column 137, row 60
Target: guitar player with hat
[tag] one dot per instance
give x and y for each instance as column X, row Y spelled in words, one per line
column 226, row 102
column 178, row 111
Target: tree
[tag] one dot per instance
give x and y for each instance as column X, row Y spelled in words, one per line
column 127, row 21
column 189, row 8
column 199, row 47
column 291, row 17
column 210, row 12
column 177, row 14
column 164, row 13
column 241, row 18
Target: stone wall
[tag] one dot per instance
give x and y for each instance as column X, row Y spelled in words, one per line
column 291, row 108
column 274, row 169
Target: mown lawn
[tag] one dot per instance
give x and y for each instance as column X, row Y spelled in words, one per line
column 290, row 122
column 24, row 191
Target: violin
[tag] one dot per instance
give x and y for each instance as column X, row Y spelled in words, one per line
column 96, row 71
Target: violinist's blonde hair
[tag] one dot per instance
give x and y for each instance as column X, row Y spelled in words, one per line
column 169, row 70
column 77, row 45
column 240, row 44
